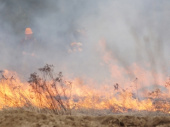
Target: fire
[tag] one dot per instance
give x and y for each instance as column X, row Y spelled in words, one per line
column 14, row 93
column 128, row 89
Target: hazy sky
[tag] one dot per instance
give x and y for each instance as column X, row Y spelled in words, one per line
column 134, row 32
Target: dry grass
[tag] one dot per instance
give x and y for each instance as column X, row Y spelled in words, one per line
column 55, row 88
column 51, row 93
column 25, row 118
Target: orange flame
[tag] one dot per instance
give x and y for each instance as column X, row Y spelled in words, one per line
column 123, row 93
column 14, row 93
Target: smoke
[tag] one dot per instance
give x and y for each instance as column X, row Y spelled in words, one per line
column 134, row 32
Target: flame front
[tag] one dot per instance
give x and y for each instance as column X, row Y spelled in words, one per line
column 14, row 93
column 126, row 89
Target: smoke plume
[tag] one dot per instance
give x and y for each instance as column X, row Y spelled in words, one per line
column 77, row 36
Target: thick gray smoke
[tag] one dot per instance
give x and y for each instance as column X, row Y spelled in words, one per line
column 134, row 32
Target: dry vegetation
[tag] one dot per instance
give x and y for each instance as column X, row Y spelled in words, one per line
column 52, row 94
column 54, row 88
column 25, row 118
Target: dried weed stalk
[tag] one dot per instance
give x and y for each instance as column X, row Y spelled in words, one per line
column 56, row 89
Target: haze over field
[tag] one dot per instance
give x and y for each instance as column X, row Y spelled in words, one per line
column 114, row 55
column 130, row 34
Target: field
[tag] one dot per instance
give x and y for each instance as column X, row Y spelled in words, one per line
column 25, row 118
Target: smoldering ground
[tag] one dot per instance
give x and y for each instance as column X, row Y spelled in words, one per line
column 134, row 32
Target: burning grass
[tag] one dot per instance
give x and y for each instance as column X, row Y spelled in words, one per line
column 47, row 92
column 49, row 100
